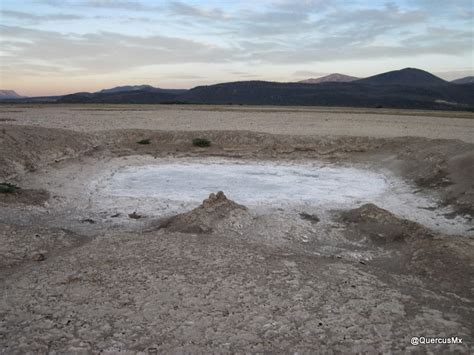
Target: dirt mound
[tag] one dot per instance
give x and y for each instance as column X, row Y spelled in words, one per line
column 413, row 249
column 25, row 149
column 381, row 226
column 460, row 168
column 219, row 200
column 444, row 165
column 216, row 212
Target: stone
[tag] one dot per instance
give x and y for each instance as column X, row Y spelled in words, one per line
column 38, row 257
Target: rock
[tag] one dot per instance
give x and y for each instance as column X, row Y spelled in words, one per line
column 38, row 257
column 88, row 220
column 135, row 215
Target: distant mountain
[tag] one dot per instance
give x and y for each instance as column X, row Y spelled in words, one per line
column 401, row 89
column 405, row 77
column 352, row 94
column 124, row 97
column 466, row 80
column 9, row 94
column 143, row 88
column 130, row 94
column 331, row 78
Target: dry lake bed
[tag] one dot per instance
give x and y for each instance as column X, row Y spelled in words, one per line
column 337, row 229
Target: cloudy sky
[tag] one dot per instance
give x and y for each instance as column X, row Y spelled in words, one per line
column 61, row 46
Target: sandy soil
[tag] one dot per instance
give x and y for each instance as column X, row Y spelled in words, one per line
column 223, row 277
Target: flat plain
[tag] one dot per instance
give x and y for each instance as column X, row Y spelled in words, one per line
column 275, row 120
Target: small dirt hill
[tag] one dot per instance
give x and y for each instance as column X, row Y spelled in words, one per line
column 215, row 213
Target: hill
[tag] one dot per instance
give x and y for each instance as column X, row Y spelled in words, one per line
column 9, row 94
column 143, row 88
column 352, row 94
column 466, row 80
column 405, row 77
column 121, row 97
column 331, row 78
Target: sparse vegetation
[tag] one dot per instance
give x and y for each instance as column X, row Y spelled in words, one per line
column 7, row 188
column 144, row 141
column 201, row 142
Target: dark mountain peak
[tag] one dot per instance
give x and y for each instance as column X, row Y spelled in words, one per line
column 406, row 77
column 331, row 78
column 465, row 80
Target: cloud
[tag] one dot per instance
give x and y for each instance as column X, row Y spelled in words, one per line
column 117, row 4
column 346, row 33
column 366, row 24
column 24, row 16
column 244, row 74
column 455, row 74
column 281, row 17
column 183, row 76
column 182, row 9
column 321, row 53
column 433, row 35
column 100, row 4
column 102, row 52
column 308, row 73
column 439, row 41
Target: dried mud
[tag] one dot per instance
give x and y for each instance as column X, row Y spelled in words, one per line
column 220, row 277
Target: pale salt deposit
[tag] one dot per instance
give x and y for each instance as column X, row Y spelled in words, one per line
column 166, row 187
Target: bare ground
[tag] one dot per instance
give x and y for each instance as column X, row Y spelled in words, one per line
column 219, row 278
column 378, row 123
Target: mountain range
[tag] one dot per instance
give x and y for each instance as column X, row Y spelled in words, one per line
column 407, row 88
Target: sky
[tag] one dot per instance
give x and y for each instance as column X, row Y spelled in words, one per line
column 50, row 47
